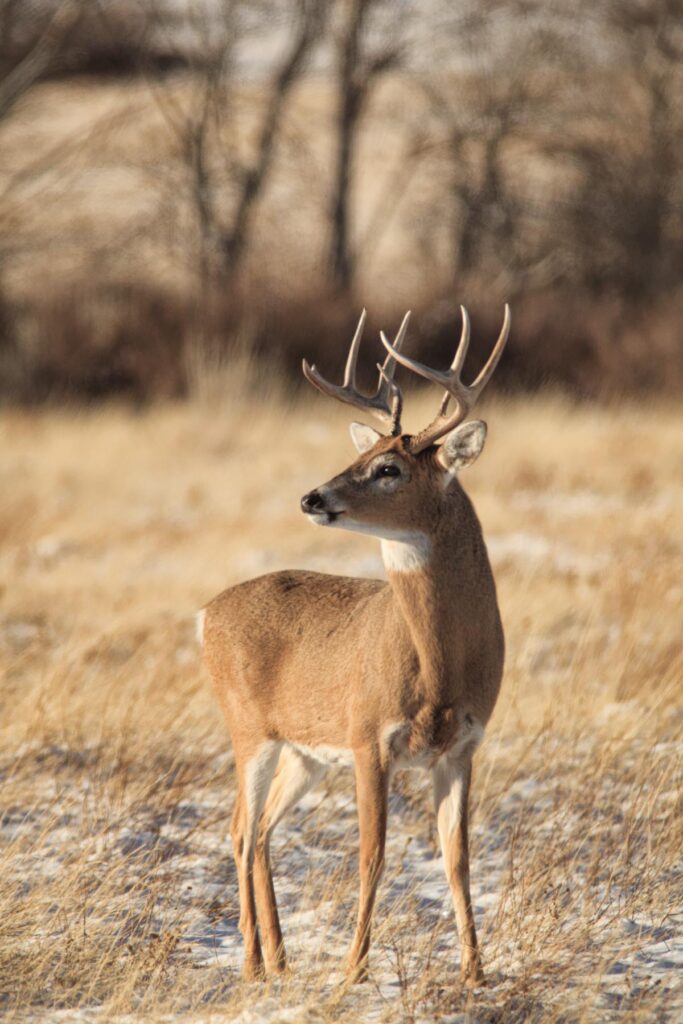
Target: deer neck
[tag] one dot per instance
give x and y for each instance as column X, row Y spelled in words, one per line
column 443, row 593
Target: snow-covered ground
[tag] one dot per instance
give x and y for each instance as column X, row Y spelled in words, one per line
column 184, row 859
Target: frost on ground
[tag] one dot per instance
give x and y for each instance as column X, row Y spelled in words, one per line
column 546, row 901
column 118, row 896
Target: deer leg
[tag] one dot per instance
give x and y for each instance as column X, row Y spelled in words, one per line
column 255, row 774
column 295, row 775
column 371, row 794
column 451, row 779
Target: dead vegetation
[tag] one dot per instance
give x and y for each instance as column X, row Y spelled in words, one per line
column 309, row 158
column 531, row 171
column 117, row 892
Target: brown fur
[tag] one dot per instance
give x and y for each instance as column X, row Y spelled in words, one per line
column 313, row 660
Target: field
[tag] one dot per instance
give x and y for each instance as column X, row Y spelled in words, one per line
column 117, row 890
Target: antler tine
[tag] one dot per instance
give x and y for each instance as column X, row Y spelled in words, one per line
column 465, row 396
column 352, row 358
column 387, row 401
column 492, row 361
column 435, row 376
column 463, row 344
column 459, row 358
column 388, row 368
column 387, row 390
column 396, row 396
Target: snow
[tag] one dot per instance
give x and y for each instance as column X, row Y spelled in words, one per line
column 314, row 866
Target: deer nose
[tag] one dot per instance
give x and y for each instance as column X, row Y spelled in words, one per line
column 312, row 502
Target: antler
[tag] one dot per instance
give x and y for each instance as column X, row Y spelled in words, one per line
column 387, row 402
column 464, row 396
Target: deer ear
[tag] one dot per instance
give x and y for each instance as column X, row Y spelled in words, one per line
column 363, row 437
column 462, row 446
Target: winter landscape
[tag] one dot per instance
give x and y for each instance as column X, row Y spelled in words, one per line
column 193, row 198
column 118, row 891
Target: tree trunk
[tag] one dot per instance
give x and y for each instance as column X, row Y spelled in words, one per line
column 234, row 241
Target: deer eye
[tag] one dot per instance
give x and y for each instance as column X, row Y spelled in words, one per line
column 387, row 470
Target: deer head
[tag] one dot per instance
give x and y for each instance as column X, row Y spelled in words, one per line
column 400, row 481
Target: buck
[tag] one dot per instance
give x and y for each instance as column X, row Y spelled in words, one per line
column 313, row 670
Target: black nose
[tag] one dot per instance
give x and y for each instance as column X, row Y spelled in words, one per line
column 312, row 502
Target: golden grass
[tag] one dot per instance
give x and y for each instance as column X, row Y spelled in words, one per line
column 117, row 895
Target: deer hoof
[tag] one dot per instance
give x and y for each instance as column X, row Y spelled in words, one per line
column 357, row 974
column 253, row 970
column 472, row 975
column 279, row 966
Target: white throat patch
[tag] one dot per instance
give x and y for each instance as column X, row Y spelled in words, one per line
column 408, row 554
column 402, row 550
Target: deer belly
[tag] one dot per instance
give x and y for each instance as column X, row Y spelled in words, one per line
column 396, row 747
column 325, row 754
column 396, row 737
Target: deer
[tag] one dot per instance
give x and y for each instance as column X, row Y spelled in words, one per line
column 313, row 670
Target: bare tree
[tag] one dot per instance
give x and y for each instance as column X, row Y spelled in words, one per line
column 205, row 130
column 310, row 19
column 491, row 118
column 21, row 66
column 358, row 68
column 23, row 62
column 626, row 217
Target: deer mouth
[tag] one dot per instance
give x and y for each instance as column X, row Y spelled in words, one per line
column 324, row 518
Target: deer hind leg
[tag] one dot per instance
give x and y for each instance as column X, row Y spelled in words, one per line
column 255, row 774
column 371, row 793
column 451, row 778
column 295, row 775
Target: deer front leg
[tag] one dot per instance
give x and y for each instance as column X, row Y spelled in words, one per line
column 255, row 774
column 295, row 775
column 266, row 908
column 253, row 960
column 451, row 780
column 371, row 792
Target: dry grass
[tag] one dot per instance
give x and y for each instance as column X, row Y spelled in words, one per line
column 117, row 894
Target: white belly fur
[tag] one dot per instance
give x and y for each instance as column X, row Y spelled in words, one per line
column 330, row 757
column 395, row 738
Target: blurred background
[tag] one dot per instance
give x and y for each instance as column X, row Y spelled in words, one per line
column 194, row 194
column 185, row 182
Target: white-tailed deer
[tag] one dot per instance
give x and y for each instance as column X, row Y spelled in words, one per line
column 313, row 670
